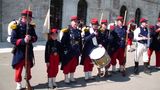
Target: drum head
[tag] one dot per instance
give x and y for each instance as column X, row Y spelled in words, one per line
column 97, row 53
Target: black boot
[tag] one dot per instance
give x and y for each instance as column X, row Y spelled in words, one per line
column 100, row 73
column 123, row 70
column 136, row 71
column 149, row 66
column 107, row 74
column 146, row 69
column 123, row 73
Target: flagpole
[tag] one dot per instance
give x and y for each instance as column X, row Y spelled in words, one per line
column 46, row 26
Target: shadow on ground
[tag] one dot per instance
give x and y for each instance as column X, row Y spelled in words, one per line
column 116, row 77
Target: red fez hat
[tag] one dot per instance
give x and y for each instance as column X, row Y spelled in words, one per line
column 26, row 12
column 151, row 26
column 159, row 19
column 131, row 21
column 74, row 18
column 53, row 30
column 94, row 21
column 104, row 21
column 119, row 18
column 143, row 20
column 112, row 27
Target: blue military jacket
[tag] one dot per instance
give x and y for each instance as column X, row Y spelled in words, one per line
column 88, row 45
column 121, row 33
column 109, row 40
column 155, row 39
column 53, row 46
column 72, row 44
column 17, row 39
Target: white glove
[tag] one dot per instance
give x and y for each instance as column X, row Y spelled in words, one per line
column 128, row 31
column 144, row 38
column 27, row 38
column 95, row 33
column 100, row 45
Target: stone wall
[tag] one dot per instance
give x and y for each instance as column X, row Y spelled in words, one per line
column 98, row 9
column 110, row 8
column 149, row 8
column 0, row 20
column 69, row 9
column 12, row 8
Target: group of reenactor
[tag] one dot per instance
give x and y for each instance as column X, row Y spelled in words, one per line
column 76, row 44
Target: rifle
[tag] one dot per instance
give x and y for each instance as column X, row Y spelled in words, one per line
column 124, row 21
column 148, row 36
column 28, row 86
column 125, row 16
column 125, row 52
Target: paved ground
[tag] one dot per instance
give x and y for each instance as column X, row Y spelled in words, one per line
column 39, row 80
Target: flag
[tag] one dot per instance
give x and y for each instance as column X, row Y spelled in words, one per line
column 46, row 26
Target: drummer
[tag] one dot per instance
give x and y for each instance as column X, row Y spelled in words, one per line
column 103, row 39
column 89, row 42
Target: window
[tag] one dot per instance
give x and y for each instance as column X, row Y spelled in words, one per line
column 82, row 10
column 122, row 10
column 137, row 16
column 56, row 13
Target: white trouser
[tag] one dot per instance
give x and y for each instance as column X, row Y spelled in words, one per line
column 141, row 50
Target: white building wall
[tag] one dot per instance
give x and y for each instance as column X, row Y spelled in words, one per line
column 111, row 9
column 69, row 9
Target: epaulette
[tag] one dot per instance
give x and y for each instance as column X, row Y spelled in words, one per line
column 33, row 24
column 13, row 26
column 101, row 30
column 85, row 29
column 64, row 30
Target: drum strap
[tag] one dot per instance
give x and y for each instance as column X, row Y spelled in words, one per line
column 94, row 40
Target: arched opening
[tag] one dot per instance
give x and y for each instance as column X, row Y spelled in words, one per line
column 56, row 13
column 82, row 10
column 122, row 10
column 137, row 16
